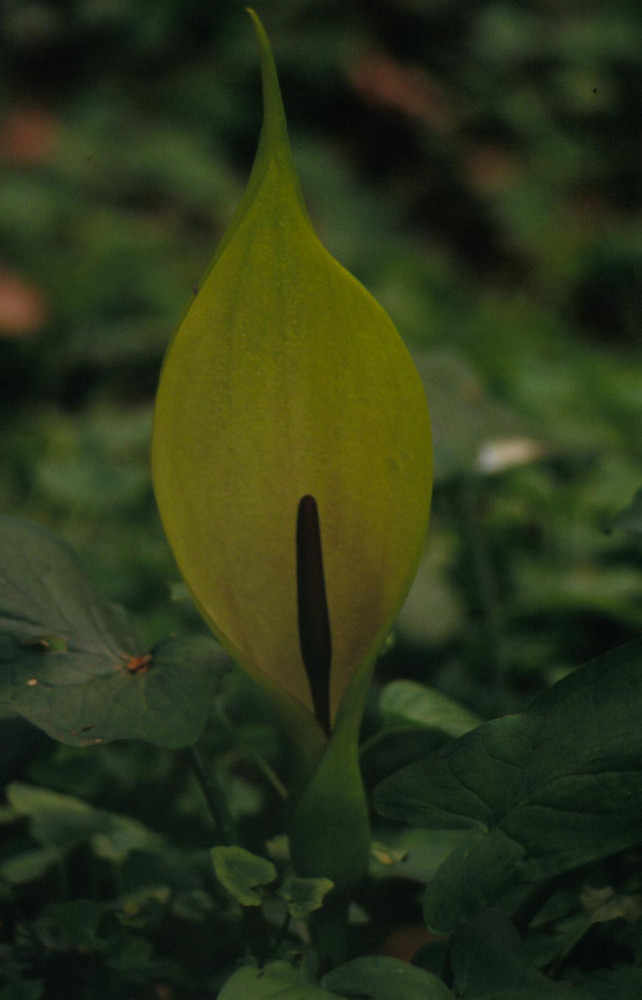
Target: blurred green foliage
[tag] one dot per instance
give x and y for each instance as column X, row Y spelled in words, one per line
column 476, row 165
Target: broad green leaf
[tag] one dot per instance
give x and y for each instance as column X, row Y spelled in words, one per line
column 486, row 955
column 28, row 866
column 59, row 822
column 55, row 820
column 122, row 837
column 284, row 380
column 167, row 704
column 304, row 894
column 48, row 605
column 377, row 977
column 69, row 660
column 392, row 748
column 539, row 793
column 242, row 873
column 409, row 702
column 276, row 981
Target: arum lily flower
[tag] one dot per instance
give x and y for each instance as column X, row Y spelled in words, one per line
column 291, row 453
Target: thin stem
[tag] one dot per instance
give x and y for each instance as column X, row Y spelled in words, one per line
column 215, row 797
column 267, row 771
column 281, row 933
column 253, row 754
column 556, row 968
column 485, row 582
column 256, row 934
column 532, row 903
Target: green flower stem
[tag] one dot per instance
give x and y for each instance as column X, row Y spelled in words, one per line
column 330, row 829
column 306, row 741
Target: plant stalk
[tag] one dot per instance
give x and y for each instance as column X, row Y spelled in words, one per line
column 256, row 934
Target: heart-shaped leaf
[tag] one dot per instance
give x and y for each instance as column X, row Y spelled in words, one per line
column 379, row 977
column 304, row 895
column 70, row 662
column 539, row 793
column 242, row 873
column 276, row 981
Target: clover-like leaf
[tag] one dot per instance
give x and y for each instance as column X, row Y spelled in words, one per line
column 242, row 873
column 304, row 895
